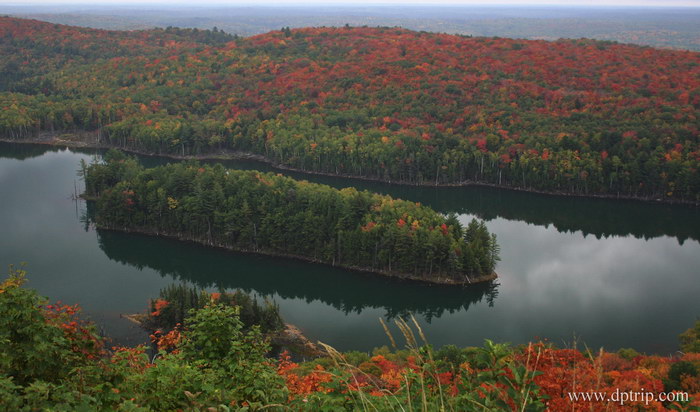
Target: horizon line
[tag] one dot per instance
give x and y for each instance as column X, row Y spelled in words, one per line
column 653, row 4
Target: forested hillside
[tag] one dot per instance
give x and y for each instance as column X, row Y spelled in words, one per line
column 573, row 116
column 272, row 214
column 665, row 27
column 31, row 48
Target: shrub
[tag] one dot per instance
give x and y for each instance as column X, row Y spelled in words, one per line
column 690, row 339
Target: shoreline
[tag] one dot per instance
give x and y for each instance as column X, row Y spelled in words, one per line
column 402, row 277
column 54, row 139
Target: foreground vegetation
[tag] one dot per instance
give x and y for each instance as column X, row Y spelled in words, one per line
column 572, row 116
column 52, row 360
column 272, row 214
column 169, row 310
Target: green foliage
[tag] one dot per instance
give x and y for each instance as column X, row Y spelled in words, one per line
column 387, row 104
column 39, row 342
column 175, row 303
column 266, row 213
column 216, row 363
column 45, row 366
column 179, row 299
column 490, row 378
column 451, row 356
column 219, row 365
column 214, row 343
column 690, row 339
column 628, row 353
column 679, row 371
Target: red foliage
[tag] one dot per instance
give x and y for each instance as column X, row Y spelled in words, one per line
column 168, row 341
column 82, row 337
column 159, row 305
column 566, row 371
column 504, row 96
column 443, row 229
column 301, row 385
column 368, row 227
column 133, row 357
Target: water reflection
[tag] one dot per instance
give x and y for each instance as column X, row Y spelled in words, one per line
column 616, row 292
column 630, row 285
column 349, row 292
column 600, row 218
column 25, row 151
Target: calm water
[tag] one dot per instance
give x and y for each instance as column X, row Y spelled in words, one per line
column 606, row 273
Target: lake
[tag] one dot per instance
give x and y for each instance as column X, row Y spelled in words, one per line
column 601, row 273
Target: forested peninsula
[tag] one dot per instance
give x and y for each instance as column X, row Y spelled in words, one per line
column 250, row 211
column 573, row 116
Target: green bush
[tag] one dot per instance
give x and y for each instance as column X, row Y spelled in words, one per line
column 40, row 342
column 690, row 339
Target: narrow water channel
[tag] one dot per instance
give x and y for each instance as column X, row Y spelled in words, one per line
column 600, row 272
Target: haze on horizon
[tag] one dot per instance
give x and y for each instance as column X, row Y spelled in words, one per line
column 656, row 23
column 273, row 3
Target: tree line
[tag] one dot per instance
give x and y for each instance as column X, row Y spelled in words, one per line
column 268, row 213
column 571, row 116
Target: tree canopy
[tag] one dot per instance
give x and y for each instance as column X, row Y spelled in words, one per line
column 268, row 213
column 574, row 116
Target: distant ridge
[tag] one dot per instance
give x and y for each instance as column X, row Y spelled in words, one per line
column 580, row 117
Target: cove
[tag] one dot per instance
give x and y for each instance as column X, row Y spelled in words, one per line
column 607, row 273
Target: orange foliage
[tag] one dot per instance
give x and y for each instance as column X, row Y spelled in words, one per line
column 159, row 305
column 301, row 385
column 368, row 227
column 83, row 341
column 168, row 341
column 566, row 371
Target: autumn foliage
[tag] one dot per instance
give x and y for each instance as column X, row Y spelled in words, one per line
column 554, row 373
column 575, row 116
column 272, row 214
column 210, row 363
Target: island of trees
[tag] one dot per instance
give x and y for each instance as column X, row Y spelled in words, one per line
column 570, row 116
column 272, row 214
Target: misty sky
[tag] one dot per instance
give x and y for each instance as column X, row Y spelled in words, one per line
column 634, row 3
